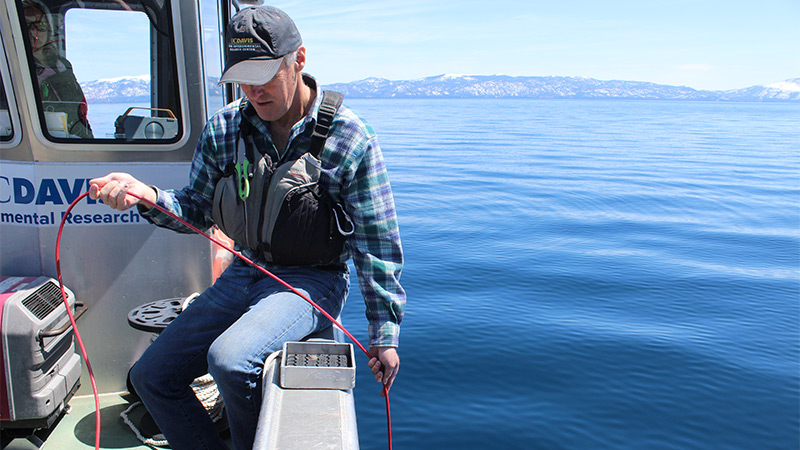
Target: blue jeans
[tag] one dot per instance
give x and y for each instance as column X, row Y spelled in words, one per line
column 229, row 331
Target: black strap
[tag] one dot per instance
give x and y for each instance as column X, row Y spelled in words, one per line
column 331, row 101
column 246, row 129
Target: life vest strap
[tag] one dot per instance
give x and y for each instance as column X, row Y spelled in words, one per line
column 331, row 101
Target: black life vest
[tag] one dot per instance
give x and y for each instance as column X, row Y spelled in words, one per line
column 281, row 211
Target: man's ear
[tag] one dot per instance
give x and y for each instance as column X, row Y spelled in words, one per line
column 301, row 58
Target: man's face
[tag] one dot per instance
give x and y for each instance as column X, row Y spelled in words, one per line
column 38, row 30
column 273, row 100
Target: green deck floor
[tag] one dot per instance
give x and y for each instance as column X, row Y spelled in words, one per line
column 75, row 431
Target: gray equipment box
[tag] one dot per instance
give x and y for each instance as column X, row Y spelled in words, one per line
column 317, row 365
column 39, row 368
column 129, row 126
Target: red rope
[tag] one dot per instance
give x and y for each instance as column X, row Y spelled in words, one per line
column 75, row 326
column 226, row 247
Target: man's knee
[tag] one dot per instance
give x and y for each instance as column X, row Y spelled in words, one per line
column 148, row 377
column 230, row 364
column 141, row 378
column 221, row 358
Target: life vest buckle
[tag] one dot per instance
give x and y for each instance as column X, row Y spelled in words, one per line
column 243, row 179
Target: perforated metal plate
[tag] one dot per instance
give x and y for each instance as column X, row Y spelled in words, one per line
column 155, row 316
column 317, row 360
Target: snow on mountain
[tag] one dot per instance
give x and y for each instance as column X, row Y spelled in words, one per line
column 504, row 86
column 128, row 89
column 788, row 85
column 787, row 90
column 499, row 86
column 108, row 90
column 487, row 86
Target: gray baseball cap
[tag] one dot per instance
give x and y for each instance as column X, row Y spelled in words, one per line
column 255, row 42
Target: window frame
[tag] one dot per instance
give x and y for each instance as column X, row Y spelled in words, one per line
column 212, row 51
column 102, row 144
column 13, row 108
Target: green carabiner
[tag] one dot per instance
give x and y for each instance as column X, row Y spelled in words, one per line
column 243, row 179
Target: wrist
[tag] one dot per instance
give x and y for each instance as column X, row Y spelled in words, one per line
column 151, row 195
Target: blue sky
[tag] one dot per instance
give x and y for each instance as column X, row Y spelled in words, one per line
column 704, row 44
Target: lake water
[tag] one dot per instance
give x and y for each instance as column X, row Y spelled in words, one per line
column 592, row 274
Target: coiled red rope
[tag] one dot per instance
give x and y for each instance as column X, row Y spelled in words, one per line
column 226, row 247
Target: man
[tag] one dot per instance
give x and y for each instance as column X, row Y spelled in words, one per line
column 58, row 87
column 234, row 325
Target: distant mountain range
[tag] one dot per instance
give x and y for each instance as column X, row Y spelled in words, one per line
column 111, row 90
column 488, row 86
column 501, row 86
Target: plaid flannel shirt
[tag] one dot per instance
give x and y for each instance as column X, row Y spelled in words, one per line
column 353, row 172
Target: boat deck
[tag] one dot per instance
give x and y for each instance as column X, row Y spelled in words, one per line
column 75, row 431
column 304, row 416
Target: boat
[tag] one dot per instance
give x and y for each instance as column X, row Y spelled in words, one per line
column 116, row 268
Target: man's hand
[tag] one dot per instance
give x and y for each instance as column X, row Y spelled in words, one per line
column 112, row 189
column 385, row 364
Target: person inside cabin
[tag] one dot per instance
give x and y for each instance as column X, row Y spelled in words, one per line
column 58, row 87
column 231, row 328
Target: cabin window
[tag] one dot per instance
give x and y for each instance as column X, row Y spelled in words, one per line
column 8, row 115
column 6, row 127
column 212, row 54
column 103, row 72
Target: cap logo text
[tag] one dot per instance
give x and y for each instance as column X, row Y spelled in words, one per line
column 244, row 40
